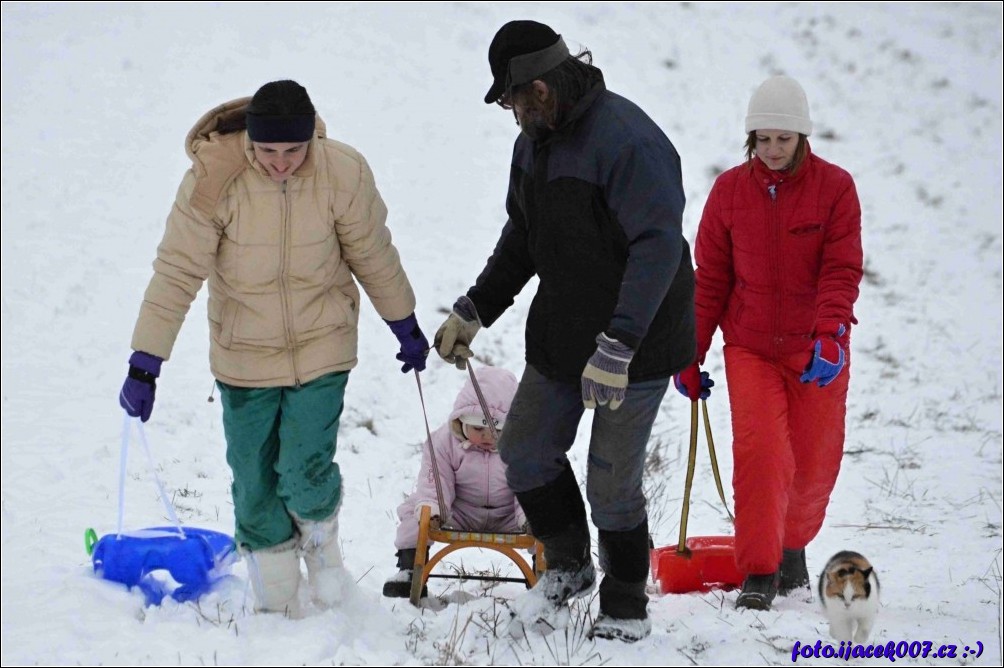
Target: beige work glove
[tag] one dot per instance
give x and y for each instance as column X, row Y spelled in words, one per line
column 453, row 339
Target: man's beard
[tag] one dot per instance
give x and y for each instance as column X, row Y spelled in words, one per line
column 534, row 124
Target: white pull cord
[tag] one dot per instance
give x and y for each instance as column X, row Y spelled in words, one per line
column 123, row 452
column 168, row 506
column 444, row 512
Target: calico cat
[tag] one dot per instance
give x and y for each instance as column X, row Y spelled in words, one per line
column 849, row 592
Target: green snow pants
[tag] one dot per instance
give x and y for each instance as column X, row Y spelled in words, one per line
column 281, row 448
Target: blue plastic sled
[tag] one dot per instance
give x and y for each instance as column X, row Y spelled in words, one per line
column 196, row 560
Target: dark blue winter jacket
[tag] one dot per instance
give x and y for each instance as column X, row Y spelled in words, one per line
column 595, row 211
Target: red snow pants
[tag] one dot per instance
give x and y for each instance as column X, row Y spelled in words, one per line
column 788, row 440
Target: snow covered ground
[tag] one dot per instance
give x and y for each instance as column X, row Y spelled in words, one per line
column 96, row 101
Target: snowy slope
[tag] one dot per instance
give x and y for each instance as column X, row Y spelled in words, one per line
column 96, row 101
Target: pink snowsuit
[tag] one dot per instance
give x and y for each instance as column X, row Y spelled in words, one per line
column 473, row 479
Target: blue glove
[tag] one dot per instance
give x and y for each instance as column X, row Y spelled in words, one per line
column 827, row 356
column 414, row 345
column 140, row 385
column 694, row 383
column 605, row 378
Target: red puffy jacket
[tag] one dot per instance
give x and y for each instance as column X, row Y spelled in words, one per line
column 778, row 258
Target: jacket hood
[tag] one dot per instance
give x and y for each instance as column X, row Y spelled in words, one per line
column 220, row 150
column 498, row 387
column 225, row 119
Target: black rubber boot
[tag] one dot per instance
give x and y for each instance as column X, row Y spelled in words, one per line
column 758, row 591
column 557, row 518
column 794, row 572
column 620, row 603
column 399, row 584
column 624, row 558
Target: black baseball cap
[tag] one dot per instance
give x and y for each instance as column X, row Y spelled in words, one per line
column 520, row 52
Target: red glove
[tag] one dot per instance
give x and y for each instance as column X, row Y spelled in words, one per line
column 694, row 383
column 827, row 359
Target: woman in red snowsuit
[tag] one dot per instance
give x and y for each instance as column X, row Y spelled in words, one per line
column 778, row 266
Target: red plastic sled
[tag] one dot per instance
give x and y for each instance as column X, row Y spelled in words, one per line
column 705, row 562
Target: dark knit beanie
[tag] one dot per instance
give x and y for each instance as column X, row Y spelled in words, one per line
column 280, row 112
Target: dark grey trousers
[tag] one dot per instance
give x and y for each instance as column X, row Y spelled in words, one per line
column 541, row 428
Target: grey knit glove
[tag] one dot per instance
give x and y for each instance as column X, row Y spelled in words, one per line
column 453, row 339
column 605, row 378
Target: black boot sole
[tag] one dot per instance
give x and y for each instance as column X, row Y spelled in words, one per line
column 401, row 590
column 754, row 601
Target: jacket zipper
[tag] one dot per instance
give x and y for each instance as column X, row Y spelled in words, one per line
column 488, row 478
column 775, row 256
column 284, row 297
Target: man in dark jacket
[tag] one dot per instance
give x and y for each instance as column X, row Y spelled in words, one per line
column 595, row 204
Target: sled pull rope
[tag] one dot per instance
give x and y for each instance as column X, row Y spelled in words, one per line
column 168, row 506
column 443, row 510
column 484, row 404
column 714, row 460
column 681, row 547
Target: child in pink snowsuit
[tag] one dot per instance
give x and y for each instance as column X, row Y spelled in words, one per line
column 471, row 473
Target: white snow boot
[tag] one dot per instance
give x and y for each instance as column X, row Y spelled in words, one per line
column 275, row 578
column 329, row 580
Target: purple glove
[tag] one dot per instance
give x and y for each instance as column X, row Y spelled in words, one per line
column 414, row 345
column 605, row 378
column 140, row 386
column 827, row 355
column 693, row 377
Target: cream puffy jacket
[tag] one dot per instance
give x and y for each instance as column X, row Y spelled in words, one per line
column 281, row 259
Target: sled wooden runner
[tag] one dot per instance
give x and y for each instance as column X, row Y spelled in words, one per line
column 504, row 543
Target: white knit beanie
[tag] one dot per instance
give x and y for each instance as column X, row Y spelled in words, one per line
column 779, row 104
